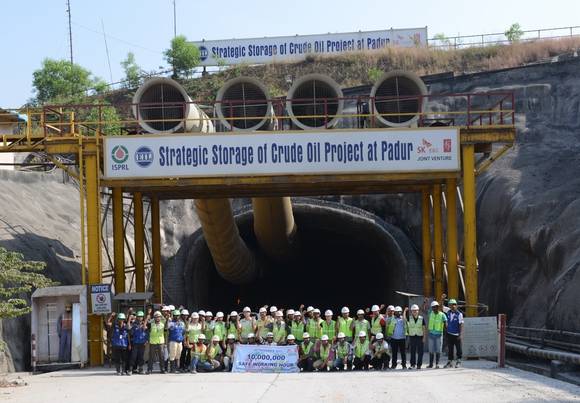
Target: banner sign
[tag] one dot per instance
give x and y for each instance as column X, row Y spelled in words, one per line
column 480, row 337
column 101, row 298
column 265, row 359
column 291, row 153
column 297, row 47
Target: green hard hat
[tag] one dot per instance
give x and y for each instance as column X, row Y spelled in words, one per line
column 452, row 302
column 140, row 314
column 176, row 312
column 121, row 316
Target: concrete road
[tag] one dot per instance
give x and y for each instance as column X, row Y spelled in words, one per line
column 477, row 381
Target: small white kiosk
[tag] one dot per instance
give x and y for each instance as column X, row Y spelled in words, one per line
column 48, row 304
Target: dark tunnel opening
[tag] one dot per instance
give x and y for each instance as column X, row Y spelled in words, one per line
column 346, row 256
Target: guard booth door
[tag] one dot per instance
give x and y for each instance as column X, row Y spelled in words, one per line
column 47, row 338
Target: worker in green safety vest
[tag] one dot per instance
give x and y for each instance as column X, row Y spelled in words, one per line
column 343, row 324
column 156, row 342
column 233, row 325
column 297, row 327
column 209, row 325
column 306, row 354
column 229, row 350
column 328, row 326
column 219, row 328
column 362, row 353
column 397, row 332
column 263, row 324
column 377, row 321
column 313, row 325
column 436, row 326
column 417, row 332
column 192, row 331
column 360, row 324
column 379, row 353
column 279, row 329
column 342, row 353
column 324, row 355
column 247, row 324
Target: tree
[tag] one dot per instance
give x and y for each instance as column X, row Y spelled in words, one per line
column 18, row 277
column 58, row 80
column 132, row 71
column 514, row 32
column 182, row 56
column 442, row 39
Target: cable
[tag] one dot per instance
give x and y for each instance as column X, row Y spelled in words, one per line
column 117, row 39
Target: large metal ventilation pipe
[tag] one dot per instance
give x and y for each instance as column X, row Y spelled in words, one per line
column 397, row 99
column 314, row 95
column 161, row 105
column 243, row 103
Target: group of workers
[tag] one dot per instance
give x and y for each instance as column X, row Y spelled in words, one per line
column 180, row 341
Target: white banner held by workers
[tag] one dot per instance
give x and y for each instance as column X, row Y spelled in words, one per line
column 292, row 153
column 298, row 47
column 265, row 359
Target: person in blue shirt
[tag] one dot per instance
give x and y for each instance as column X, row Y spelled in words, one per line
column 119, row 342
column 139, row 337
column 176, row 330
column 454, row 331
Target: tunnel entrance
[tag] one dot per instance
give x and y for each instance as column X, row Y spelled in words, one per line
column 343, row 256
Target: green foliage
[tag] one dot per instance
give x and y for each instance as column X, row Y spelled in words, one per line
column 374, row 74
column 514, row 33
column 132, row 71
column 182, row 56
column 102, row 116
column 442, row 40
column 58, row 81
column 18, row 277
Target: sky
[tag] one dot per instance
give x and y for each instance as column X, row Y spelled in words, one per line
column 33, row 30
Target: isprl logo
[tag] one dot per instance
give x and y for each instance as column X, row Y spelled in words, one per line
column 120, row 155
column 144, row 156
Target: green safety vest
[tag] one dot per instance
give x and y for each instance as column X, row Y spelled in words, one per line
column 263, row 328
column 391, row 327
column 198, row 351
column 329, row 329
column 209, row 326
column 306, row 348
column 344, row 326
column 247, row 327
column 157, row 333
column 297, row 329
column 415, row 328
column 193, row 331
column 212, row 351
column 313, row 328
column 436, row 322
column 233, row 329
column 324, row 352
column 360, row 349
column 376, row 325
column 220, row 330
column 342, row 350
column 361, row 327
column 279, row 332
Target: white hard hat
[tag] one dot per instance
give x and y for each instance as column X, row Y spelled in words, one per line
column 398, row 309
column 290, row 337
column 279, row 313
column 165, row 308
column 201, row 336
column 297, row 313
column 201, row 313
column 171, row 307
column 379, row 336
column 290, row 312
column 263, row 310
column 309, row 309
column 305, row 335
column 316, row 310
column 362, row 333
column 390, row 308
column 251, row 335
column 434, row 303
column 269, row 334
column 360, row 312
column 156, row 314
column 273, row 309
column 184, row 312
column 195, row 315
column 219, row 315
column 234, row 313
column 324, row 337
column 341, row 335
column 247, row 309
column 328, row 312
column 215, row 338
column 231, row 337
column 208, row 313
column 414, row 307
column 375, row 308
column 344, row 310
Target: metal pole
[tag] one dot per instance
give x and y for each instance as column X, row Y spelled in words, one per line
column 452, row 274
column 469, row 229
column 139, row 242
column 118, row 240
column 437, row 241
column 174, row 20
column 501, row 318
column 156, row 246
column 94, row 249
column 426, row 244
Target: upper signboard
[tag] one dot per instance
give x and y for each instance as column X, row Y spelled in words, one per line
column 282, row 153
column 296, row 48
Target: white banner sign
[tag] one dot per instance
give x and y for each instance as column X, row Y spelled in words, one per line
column 480, row 337
column 292, row 153
column 296, row 48
column 265, row 359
